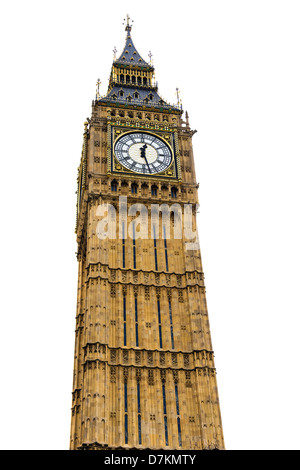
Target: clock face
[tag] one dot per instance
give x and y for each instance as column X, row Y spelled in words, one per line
column 143, row 153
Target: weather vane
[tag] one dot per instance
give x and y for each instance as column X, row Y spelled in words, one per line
column 128, row 25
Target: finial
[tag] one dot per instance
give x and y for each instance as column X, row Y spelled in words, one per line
column 153, row 79
column 128, row 25
column 177, row 93
column 97, row 89
column 115, row 52
column 187, row 119
column 150, row 55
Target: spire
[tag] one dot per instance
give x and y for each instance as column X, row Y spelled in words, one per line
column 130, row 55
column 132, row 79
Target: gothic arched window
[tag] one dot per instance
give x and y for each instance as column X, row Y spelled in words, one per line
column 114, row 185
column 174, row 192
column 154, row 190
column 134, row 188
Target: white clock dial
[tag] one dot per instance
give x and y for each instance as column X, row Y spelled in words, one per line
column 143, row 153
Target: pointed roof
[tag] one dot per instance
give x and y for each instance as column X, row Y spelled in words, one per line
column 137, row 90
column 137, row 96
column 130, row 55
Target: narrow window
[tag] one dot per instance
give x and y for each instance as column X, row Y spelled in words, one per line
column 123, row 243
column 114, row 186
column 174, row 192
column 166, row 249
column 179, row 432
column 134, row 188
column 134, row 246
column 139, row 413
column 178, row 416
column 136, row 321
column 165, row 414
column 159, row 323
column 125, row 398
column 171, row 323
column 124, row 320
column 126, row 413
column 140, row 429
column 154, row 190
column 155, row 247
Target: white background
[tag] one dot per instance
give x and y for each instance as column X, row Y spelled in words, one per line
column 237, row 66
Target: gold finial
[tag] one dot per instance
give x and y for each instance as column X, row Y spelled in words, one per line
column 150, row 55
column 153, row 79
column 179, row 102
column 128, row 25
column 97, row 89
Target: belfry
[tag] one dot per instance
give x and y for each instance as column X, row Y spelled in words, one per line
column 144, row 373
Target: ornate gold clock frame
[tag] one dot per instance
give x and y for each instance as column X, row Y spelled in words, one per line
column 168, row 134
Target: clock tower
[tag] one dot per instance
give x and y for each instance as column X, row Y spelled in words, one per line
column 144, row 373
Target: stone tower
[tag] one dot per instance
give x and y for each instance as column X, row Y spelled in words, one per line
column 144, row 374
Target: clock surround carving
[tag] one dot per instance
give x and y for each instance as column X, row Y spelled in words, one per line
column 172, row 172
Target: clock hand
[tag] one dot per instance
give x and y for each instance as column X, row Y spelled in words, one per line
column 143, row 155
column 148, row 164
column 143, row 151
